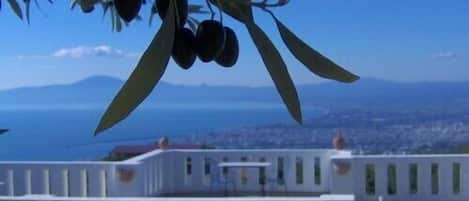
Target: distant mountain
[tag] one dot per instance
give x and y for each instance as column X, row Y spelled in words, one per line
column 94, row 90
column 374, row 94
column 365, row 93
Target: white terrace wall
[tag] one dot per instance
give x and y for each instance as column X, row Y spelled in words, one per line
column 156, row 171
column 403, row 177
column 166, row 172
column 68, row 179
column 392, row 177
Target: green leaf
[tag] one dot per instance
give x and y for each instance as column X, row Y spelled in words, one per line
column 153, row 12
column 38, row 6
column 277, row 70
column 118, row 23
column 138, row 18
column 144, row 78
column 195, row 8
column 3, row 131
column 73, row 4
column 197, row 22
column 150, row 21
column 113, row 18
column 106, row 7
column 312, row 59
column 193, row 24
column 240, row 10
column 16, row 8
column 27, row 5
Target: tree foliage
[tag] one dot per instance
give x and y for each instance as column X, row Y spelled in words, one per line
column 153, row 62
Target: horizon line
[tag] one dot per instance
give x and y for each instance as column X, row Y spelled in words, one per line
column 323, row 81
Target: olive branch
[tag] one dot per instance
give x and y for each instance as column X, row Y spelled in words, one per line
column 153, row 63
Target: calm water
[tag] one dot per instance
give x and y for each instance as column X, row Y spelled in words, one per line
column 67, row 134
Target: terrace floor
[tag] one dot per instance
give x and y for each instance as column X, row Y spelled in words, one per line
column 243, row 194
column 328, row 197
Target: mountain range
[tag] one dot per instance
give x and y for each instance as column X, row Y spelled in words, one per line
column 363, row 94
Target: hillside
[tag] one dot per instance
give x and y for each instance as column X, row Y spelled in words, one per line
column 366, row 93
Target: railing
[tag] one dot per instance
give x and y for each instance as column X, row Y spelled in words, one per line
column 402, row 177
column 195, row 171
column 171, row 173
column 50, row 198
column 192, row 173
column 65, row 179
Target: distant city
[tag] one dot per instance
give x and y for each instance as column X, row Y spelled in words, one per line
column 374, row 116
column 364, row 131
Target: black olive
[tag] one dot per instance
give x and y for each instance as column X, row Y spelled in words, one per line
column 182, row 8
column 128, row 9
column 184, row 48
column 230, row 53
column 209, row 40
column 88, row 9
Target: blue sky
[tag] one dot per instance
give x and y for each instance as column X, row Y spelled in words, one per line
column 418, row 40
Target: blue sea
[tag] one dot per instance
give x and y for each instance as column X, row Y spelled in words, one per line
column 58, row 133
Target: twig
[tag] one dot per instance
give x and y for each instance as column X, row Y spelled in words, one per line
column 210, row 8
column 220, row 11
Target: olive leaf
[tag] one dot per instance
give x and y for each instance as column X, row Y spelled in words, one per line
column 197, row 22
column 193, row 24
column 73, row 4
column 150, row 20
column 240, row 10
column 144, row 78
column 312, row 59
column 118, row 22
column 3, row 130
column 195, row 8
column 277, row 70
column 27, row 5
column 38, row 6
column 106, row 7
column 113, row 18
column 16, row 8
column 137, row 18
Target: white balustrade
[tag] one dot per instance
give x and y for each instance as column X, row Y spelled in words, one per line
column 168, row 172
column 65, row 179
column 299, row 172
column 403, row 177
column 186, row 171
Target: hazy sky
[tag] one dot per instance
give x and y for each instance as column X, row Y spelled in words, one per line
column 417, row 40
